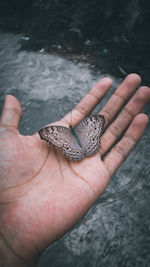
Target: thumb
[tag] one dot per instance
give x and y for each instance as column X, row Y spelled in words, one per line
column 11, row 112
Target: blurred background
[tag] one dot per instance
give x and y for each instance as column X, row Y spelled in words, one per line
column 112, row 35
column 51, row 53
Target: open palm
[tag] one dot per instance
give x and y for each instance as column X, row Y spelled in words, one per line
column 42, row 193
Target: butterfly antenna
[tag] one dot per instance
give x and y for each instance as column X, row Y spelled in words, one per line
column 68, row 120
column 70, row 114
column 71, row 118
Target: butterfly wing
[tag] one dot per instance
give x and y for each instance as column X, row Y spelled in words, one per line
column 62, row 137
column 53, row 134
column 89, row 131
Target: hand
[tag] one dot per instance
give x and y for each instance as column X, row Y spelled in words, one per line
column 42, row 194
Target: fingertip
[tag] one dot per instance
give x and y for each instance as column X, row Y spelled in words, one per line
column 140, row 120
column 11, row 112
column 101, row 87
column 144, row 93
column 138, row 126
column 106, row 81
column 134, row 77
column 11, row 101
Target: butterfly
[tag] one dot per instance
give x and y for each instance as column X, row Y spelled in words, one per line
column 76, row 142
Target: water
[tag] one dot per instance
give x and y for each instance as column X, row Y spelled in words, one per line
column 116, row 230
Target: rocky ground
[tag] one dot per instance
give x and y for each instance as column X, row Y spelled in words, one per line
column 112, row 36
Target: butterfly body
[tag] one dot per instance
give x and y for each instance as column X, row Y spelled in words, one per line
column 79, row 142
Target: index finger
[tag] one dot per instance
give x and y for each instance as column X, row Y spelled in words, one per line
column 88, row 102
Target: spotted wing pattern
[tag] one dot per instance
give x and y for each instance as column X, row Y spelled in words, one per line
column 82, row 141
column 62, row 137
column 89, row 131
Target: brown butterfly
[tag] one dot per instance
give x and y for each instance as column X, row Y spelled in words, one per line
column 78, row 142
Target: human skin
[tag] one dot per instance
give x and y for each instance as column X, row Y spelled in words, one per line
column 42, row 193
